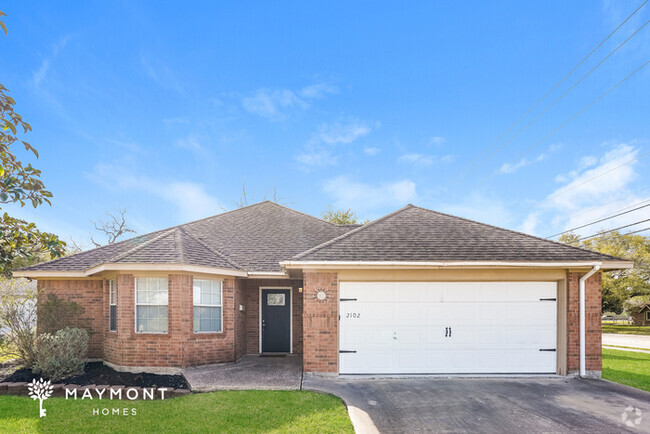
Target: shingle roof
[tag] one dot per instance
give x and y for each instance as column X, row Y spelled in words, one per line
column 260, row 236
column 414, row 234
column 254, row 238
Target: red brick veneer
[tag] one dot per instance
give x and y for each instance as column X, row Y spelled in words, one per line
column 320, row 323
column 88, row 294
column 593, row 309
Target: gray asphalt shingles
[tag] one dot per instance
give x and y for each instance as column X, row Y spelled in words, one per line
column 260, row 236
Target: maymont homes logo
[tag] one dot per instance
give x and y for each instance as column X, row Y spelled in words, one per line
column 42, row 390
column 632, row 416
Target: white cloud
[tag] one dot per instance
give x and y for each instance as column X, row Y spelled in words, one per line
column 437, row 141
column 190, row 199
column 421, row 159
column 597, row 189
column 319, row 90
column 511, row 168
column 276, row 104
column 190, row 142
column 39, row 75
column 424, row 159
column 371, row 151
column 318, row 150
column 364, row 198
column 530, row 224
column 316, row 157
column 338, row 133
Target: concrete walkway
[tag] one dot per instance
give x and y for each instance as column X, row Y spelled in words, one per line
column 489, row 405
column 622, row 340
column 248, row 373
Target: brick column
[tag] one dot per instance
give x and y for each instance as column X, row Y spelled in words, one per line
column 320, row 323
column 593, row 313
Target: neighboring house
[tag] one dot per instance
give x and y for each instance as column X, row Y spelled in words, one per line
column 642, row 316
column 19, row 288
column 414, row 292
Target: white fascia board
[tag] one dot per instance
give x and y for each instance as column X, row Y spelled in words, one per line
column 164, row 267
column 268, row 275
column 611, row 265
column 46, row 273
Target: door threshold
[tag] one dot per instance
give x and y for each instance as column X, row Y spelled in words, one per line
column 274, row 354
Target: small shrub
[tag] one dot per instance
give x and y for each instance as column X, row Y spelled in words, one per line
column 61, row 354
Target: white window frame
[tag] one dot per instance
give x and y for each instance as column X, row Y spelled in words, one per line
column 136, row 304
column 112, row 301
column 208, row 305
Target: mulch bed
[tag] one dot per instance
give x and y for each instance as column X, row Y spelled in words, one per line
column 98, row 373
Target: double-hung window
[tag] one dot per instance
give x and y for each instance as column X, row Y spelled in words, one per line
column 151, row 304
column 207, row 305
column 112, row 309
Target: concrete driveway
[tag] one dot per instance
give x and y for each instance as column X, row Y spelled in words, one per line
column 488, row 405
column 248, row 373
column 622, row 340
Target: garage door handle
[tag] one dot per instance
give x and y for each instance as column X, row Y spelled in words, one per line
column 347, row 351
column 547, row 349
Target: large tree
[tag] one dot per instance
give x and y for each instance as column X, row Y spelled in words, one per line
column 21, row 184
column 620, row 285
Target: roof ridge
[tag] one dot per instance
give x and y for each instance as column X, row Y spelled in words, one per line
column 304, row 213
column 353, row 231
column 181, row 246
column 159, row 231
column 135, row 249
column 216, row 252
column 513, row 231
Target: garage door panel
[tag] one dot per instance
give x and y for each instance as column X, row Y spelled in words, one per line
column 402, row 327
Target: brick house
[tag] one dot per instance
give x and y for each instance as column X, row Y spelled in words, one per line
column 414, row 292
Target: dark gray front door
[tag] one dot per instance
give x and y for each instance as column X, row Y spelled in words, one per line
column 276, row 320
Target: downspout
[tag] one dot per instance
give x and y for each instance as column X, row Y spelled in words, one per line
column 583, row 336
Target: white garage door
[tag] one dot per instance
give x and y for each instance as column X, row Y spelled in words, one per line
column 447, row 327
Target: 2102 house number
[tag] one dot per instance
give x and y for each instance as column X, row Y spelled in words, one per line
column 354, row 315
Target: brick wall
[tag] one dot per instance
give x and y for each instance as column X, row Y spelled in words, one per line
column 89, row 295
column 593, row 309
column 253, row 311
column 320, row 323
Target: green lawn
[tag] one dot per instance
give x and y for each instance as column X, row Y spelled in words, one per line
column 627, row 367
column 231, row 411
column 626, row 329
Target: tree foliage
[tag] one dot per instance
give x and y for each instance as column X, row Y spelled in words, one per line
column 620, row 285
column 20, row 184
column 340, row 216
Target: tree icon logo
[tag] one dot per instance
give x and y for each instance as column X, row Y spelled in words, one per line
column 40, row 390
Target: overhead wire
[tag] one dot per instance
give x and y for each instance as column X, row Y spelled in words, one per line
column 550, row 91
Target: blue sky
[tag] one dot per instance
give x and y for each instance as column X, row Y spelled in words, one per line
column 167, row 108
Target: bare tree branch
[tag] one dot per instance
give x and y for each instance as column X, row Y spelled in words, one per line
column 113, row 228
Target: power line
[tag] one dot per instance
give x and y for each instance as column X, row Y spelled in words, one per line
column 609, row 203
column 552, row 104
column 622, row 235
column 574, row 116
column 550, row 91
column 598, row 221
column 595, row 177
column 612, row 230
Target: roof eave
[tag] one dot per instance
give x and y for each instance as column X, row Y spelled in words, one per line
column 604, row 265
column 93, row 271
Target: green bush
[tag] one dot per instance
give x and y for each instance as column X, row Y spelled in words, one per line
column 61, row 354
